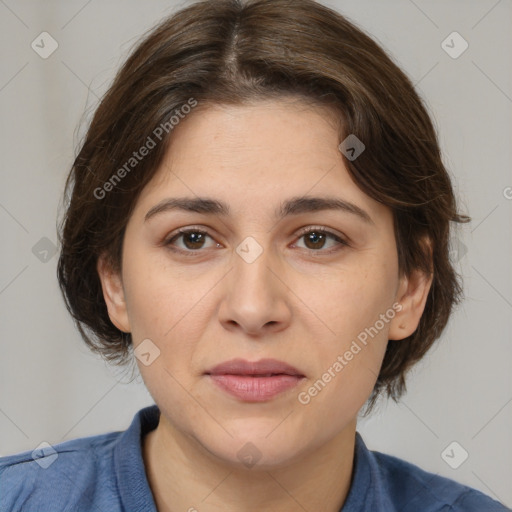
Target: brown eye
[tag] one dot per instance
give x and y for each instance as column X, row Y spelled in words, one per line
column 192, row 240
column 315, row 239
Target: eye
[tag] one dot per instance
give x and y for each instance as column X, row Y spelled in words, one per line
column 193, row 239
column 316, row 237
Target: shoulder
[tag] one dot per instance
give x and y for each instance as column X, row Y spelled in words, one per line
column 58, row 476
column 416, row 489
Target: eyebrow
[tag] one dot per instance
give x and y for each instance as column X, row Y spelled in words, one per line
column 293, row 206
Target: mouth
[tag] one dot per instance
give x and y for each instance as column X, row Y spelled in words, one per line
column 256, row 381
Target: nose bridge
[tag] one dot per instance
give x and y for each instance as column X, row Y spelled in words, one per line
column 252, row 268
column 254, row 296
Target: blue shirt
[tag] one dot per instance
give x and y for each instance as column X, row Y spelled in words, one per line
column 105, row 473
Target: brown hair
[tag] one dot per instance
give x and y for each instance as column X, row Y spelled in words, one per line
column 231, row 51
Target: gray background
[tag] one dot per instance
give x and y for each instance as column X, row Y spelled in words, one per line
column 53, row 389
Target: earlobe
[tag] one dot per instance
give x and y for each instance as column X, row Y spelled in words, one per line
column 113, row 293
column 412, row 296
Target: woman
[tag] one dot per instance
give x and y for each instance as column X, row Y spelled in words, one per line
column 260, row 215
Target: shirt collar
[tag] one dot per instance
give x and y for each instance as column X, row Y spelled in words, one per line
column 132, row 481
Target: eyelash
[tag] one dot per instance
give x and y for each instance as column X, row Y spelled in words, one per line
column 314, row 229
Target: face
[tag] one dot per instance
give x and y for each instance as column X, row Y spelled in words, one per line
column 265, row 276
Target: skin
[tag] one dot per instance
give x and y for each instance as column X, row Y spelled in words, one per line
column 300, row 302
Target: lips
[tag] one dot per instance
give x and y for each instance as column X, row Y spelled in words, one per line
column 263, row 367
column 256, row 381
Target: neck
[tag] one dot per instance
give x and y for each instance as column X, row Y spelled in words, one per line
column 183, row 476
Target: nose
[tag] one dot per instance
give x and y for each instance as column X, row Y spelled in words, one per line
column 255, row 297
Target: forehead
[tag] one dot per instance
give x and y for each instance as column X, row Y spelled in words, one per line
column 255, row 153
column 279, row 128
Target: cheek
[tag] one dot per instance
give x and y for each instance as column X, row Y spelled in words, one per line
column 157, row 296
column 168, row 309
column 359, row 311
column 359, row 296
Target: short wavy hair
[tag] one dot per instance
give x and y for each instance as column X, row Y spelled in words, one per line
column 233, row 52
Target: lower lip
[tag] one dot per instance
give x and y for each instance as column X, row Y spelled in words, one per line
column 255, row 389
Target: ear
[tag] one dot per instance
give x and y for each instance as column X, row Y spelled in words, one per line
column 113, row 293
column 412, row 294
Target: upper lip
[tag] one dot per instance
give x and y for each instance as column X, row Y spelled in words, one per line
column 261, row 367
